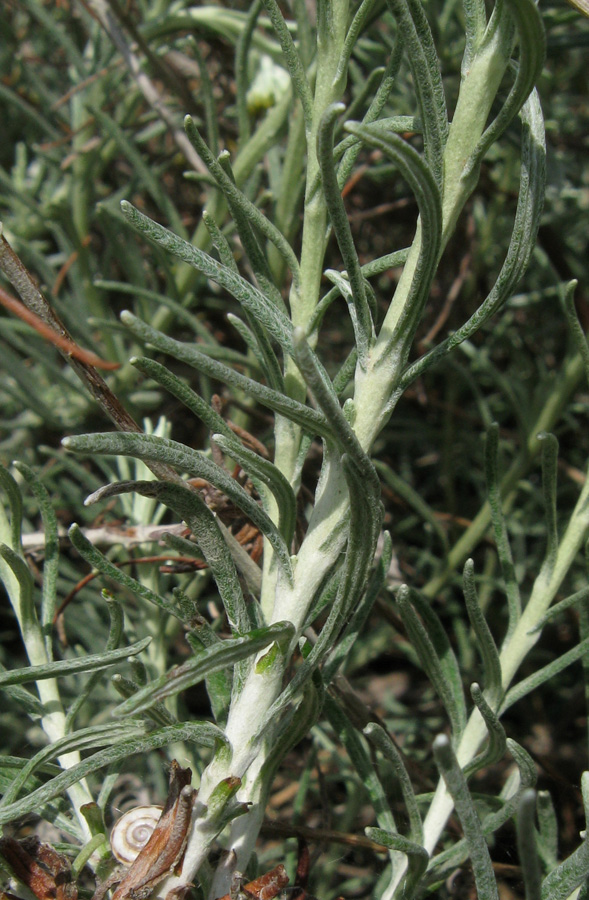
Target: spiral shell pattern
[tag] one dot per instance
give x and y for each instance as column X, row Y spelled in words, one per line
column 132, row 832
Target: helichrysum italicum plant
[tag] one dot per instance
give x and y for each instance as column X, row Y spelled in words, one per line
column 269, row 680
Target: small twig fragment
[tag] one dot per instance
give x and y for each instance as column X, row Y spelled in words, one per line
column 65, row 344
column 266, row 886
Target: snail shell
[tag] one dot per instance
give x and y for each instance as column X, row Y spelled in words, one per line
column 132, row 832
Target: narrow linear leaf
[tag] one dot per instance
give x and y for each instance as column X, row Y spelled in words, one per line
column 365, row 520
column 484, row 639
column 366, row 514
column 23, row 700
column 27, row 614
column 127, row 688
column 417, row 856
column 479, row 852
column 385, row 125
column 569, row 875
column 497, row 738
column 84, row 739
column 358, row 302
column 115, row 635
column 448, row 860
column 449, row 692
column 9, row 763
column 544, row 674
column 526, row 845
column 375, row 267
column 567, row 293
column 242, row 218
column 363, row 98
column 322, row 388
column 305, row 35
column 185, row 394
column 324, row 599
column 13, row 495
column 293, row 728
column 547, row 829
column 360, row 758
column 213, row 421
column 528, row 774
column 227, row 23
column 98, row 561
column 68, row 666
column 243, row 213
column 585, row 794
column 292, row 59
column 248, row 337
column 522, row 242
column 576, row 598
column 152, row 447
column 213, row 659
column 359, row 23
column 267, row 473
column 218, row 684
column 417, row 39
column 345, row 373
column 247, row 212
column 185, row 547
column 475, row 20
column 532, row 50
column 341, row 651
column 514, row 603
column 385, row 745
column 219, row 242
column 423, row 185
column 441, row 642
column 259, row 306
column 349, row 148
column 97, row 843
column 189, row 505
column 200, row 733
column 51, row 553
column 309, row 419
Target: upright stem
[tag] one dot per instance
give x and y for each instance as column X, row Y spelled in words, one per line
column 478, row 89
column 331, row 32
column 53, row 721
column 313, row 563
column 512, row 655
column 568, row 378
column 248, row 730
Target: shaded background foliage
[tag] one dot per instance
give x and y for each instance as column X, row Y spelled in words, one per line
column 78, row 137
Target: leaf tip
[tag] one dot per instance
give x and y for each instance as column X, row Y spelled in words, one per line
column 441, row 742
column 352, row 126
column 94, row 497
